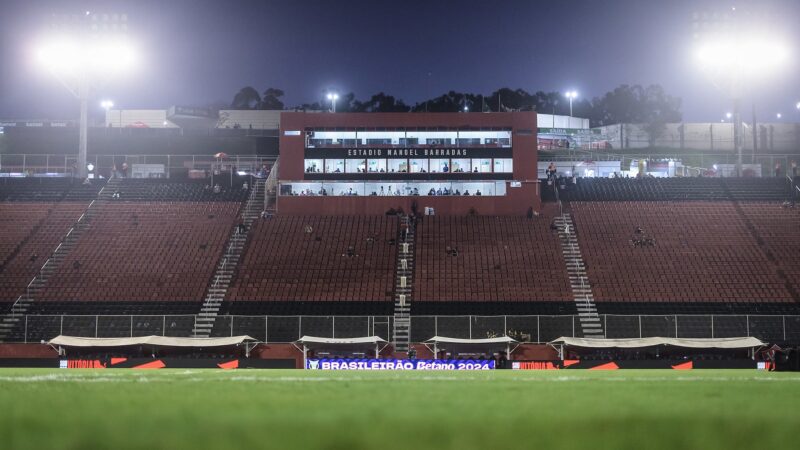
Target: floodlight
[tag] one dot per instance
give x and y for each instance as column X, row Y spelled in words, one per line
column 746, row 55
column 797, row 105
column 71, row 57
column 571, row 95
column 90, row 166
column 107, row 104
column 778, row 115
column 333, row 96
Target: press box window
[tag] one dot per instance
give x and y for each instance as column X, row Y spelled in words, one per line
column 313, row 165
column 504, row 165
column 334, row 166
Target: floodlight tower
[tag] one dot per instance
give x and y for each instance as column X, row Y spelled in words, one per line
column 333, row 96
column 81, row 51
column 732, row 50
column 571, row 95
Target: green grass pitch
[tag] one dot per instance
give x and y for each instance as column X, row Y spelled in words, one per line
column 294, row 409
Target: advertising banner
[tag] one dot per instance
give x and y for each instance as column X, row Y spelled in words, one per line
column 398, row 364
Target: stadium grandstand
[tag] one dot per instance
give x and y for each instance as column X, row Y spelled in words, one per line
column 401, row 226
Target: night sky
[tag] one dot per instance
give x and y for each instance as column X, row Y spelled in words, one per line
column 200, row 52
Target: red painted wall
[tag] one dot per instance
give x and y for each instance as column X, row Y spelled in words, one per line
column 516, row 202
column 27, row 351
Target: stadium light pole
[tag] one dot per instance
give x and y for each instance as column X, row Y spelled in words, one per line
column 571, row 95
column 106, row 105
column 732, row 61
column 333, row 96
column 83, row 56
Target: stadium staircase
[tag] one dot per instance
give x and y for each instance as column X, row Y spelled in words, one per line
column 404, row 279
column 578, row 279
column 226, row 267
column 21, row 306
column 271, row 189
column 576, row 270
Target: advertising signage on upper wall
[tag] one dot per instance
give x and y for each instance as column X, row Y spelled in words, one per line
column 422, row 153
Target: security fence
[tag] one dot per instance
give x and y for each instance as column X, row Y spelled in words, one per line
column 281, row 329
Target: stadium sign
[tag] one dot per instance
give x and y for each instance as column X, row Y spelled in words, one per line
column 397, row 364
column 423, row 153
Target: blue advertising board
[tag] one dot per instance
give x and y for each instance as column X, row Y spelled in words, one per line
column 398, row 364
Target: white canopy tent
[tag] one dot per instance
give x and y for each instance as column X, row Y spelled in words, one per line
column 498, row 343
column 152, row 341
column 375, row 343
column 717, row 343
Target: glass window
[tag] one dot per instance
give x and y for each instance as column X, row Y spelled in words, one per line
column 313, row 165
column 397, row 165
column 440, row 165
column 376, row 165
column 503, row 165
column 356, row 165
column 344, row 188
column 460, row 165
column 482, row 165
column 301, row 188
column 469, row 141
column 473, row 188
column 419, row 165
column 334, row 166
column 408, row 141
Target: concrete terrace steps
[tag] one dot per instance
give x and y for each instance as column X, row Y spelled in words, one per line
column 226, row 267
column 578, row 278
column 403, row 286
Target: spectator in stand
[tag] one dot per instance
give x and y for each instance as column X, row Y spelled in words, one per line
column 217, row 188
column 777, row 169
column 551, row 171
column 125, row 169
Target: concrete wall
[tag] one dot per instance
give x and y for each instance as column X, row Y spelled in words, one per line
column 138, row 118
column 772, row 137
column 257, row 120
column 563, row 122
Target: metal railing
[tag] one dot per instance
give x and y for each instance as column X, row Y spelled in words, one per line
column 55, row 165
column 541, row 328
